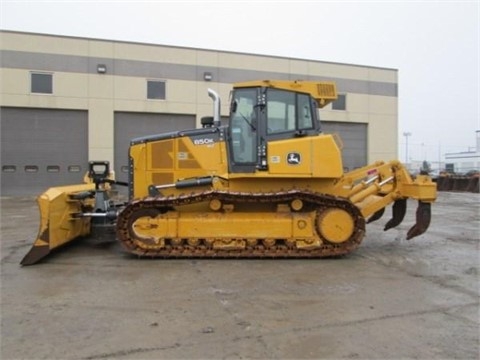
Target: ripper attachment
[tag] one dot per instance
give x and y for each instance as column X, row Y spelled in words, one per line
column 423, row 216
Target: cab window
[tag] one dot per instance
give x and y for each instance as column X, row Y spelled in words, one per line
column 243, row 125
column 287, row 111
column 305, row 118
column 280, row 111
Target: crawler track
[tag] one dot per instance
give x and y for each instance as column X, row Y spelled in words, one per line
column 165, row 247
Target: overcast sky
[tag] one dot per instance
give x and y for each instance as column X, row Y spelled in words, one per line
column 433, row 44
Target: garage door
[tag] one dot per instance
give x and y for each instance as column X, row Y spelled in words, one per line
column 131, row 125
column 42, row 148
column 354, row 137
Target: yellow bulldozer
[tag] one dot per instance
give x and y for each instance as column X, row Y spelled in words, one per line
column 268, row 184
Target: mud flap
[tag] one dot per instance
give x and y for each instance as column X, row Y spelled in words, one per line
column 58, row 221
column 423, row 216
column 399, row 209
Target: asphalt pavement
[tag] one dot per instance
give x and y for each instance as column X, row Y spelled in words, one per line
column 390, row 299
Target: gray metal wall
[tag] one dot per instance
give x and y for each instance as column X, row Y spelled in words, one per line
column 129, row 125
column 41, row 148
column 354, row 137
column 190, row 72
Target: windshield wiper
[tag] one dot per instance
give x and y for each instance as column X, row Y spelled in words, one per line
column 248, row 122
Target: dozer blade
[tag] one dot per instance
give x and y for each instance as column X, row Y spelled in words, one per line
column 399, row 209
column 376, row 216
column 423, row 216
column 58, row 223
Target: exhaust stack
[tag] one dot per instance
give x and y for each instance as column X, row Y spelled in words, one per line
column 216, row 107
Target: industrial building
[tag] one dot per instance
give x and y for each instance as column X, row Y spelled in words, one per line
column 464, row 162
column 67, row 100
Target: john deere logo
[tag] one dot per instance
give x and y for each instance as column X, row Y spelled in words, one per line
column 293, row 158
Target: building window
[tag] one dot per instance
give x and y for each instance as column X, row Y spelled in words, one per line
column 42, row 83
column 31, row 168
column 53, row 168
column 74, row 168
column 450, row 168
column 340, row 103
column 9, row 168
column 156, row 89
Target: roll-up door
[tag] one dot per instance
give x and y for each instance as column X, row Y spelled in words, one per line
column 354, row 138
column 41, row 148
column 131, row 125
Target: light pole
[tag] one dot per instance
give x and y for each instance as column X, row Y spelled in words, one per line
column 406, row 134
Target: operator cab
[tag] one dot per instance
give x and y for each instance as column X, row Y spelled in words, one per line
column 259, row 115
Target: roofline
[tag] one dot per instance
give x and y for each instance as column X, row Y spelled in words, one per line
column 189, row 48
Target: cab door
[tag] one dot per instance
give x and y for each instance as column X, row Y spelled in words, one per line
column 243, row 131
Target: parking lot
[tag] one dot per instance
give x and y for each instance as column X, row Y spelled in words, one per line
column 390, row 299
